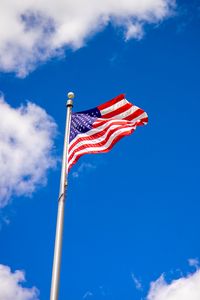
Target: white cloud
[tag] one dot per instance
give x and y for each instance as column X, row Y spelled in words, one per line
column 33, row 31
column 26, row 143
column 11, row 286
column 184, row 288
column 134, row 31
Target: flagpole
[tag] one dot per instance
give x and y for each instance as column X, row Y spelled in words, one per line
column 61, row 204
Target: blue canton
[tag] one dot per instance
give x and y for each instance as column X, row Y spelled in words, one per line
column 81, row 122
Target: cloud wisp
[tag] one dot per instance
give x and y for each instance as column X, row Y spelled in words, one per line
column 193, row 262
column 11, row 286
column 26, row 149
column 137, row 282
column 83, row 167
column 32, row 32
column 87, row 295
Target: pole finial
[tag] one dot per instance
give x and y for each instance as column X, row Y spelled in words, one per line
column 70, row 95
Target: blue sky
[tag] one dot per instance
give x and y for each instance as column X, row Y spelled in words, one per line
column 131, row 214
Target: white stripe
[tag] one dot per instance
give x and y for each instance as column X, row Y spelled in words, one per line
column 99, row 148
column 126, row 113
column 98, row 129
column 96, row 140
column 113, row 107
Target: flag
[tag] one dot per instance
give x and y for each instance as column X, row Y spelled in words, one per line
column 97, row 130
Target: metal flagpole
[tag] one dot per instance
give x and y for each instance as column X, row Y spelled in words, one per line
column 61, row 204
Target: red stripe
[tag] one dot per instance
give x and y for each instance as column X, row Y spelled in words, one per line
column 118, row 137
column 111, row 102
column 135, row 114
column 100, row 122
column 117, row 111
column 143, row 121
column 102, row 143
column 100, row 133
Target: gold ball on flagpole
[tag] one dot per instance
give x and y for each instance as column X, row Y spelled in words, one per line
column 70, row 95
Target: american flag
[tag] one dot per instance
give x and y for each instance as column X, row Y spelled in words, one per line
column 98, row 129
